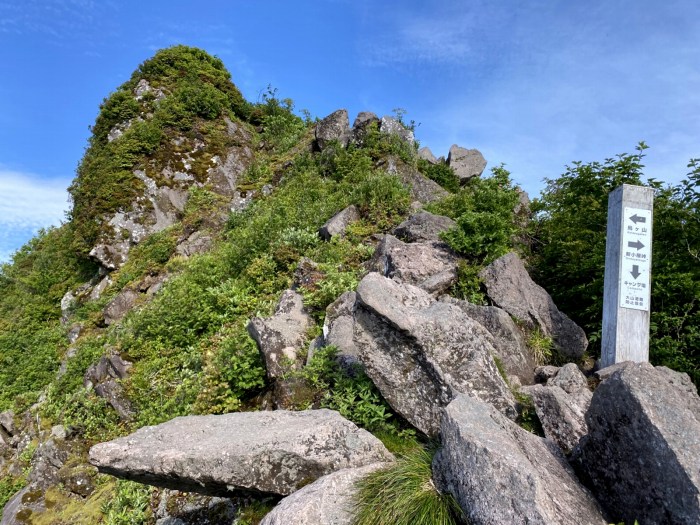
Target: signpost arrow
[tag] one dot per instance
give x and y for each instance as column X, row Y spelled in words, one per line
column 636, row 218
column 635, row 272
column 635, row 244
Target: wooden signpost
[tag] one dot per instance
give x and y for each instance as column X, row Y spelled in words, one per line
column 627, row 288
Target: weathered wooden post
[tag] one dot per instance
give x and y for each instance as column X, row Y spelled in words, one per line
column 627, row 275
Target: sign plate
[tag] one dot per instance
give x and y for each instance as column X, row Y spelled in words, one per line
column 635, row 270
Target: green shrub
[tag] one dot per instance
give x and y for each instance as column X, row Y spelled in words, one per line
column 9, row 486
column 440, row 173
column 129, row 504
column 404, row 494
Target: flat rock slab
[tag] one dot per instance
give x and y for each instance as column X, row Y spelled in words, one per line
column 274, row 452
column 421, row 353
column 327, row 501
column 642, row 452
column 502, row 474
column 423, row 226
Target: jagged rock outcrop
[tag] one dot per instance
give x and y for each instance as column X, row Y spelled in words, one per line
column 335, row 127
column 274, row 452
column 337, row 224
column 510, row 287
column 507, row 339
column 466, row 163
column 430, row 265
column 500, row 473
column 328, row 500
column 105, row 378
column 425, row 154
column 422, row 353
column 423, row 189
column 121, row 305
column 641, row 454
column 189, row 508
column 197, row 242
column 361, row 126
column 391, row 126
column 280, row 337
column 423, row 226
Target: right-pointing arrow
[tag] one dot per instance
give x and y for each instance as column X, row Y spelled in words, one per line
column 635, row 271
column 636, row 244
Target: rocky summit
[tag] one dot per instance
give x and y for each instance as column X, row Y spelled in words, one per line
column 253, row 317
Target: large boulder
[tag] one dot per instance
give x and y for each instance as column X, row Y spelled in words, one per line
column 338, row 328
column 422, row 353
column 274, row 452
column 335, row 127
column 510, row 287
column 337, row 224
column 423, row 226
column 507, row 339
column 642, row 452
column 281, row 337
column 500, row 473
column 425, row 154
column 105, row 378
column 423, row 189
column 328, row 500
column 121, row 305
column 362, row 125
column 391, row 126
column 430, row 265
column 190, row 508
column 466, row 163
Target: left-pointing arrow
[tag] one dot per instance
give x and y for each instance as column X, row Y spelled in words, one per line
column 636, row 244
column 635, row 271
column 636, row 218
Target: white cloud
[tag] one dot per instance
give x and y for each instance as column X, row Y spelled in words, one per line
column 27, row 204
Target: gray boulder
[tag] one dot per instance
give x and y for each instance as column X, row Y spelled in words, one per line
column 423, row 189
column 500, row 473
column 391, row 126
column 338, row 328
column 198, row 242
column 642, row 452
column 281, row 336
column 121, row 305
column 510, row 287
column 562, row 414
column 423, row 226
column 361, row 126
column 429, row 265
column 570, row 379
column 337, row 224
column 23, row 505
column 425, row 154
column 466, row 163
column 105, row 378
column 327, row 501
column 274, row 452
column 422, row 353
column 7, row 422
column 335, row 127
column 507, row 339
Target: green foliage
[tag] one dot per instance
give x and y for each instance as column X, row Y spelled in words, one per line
column 527, row 415
column 9, row 486
column 404, row 494
column 350, row 392
column 440, row 173
column 468, row 285
column 282, row 129
column 129, row 504
column 254, row 512
column 486, row 222
column 569, row 253
column 542, row 347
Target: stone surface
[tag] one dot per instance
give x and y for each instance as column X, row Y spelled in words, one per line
column 569, row 378
column 361, row 126
column 423, row 226
column 327, row 501
column 281, row 336
column 188, row 508
column 335, row 127
column 507, row 340
column 544, row 373
column 642, row 452
column 423, row 189
column 466, row 163
column 425, row 154
column 510, row 287
column 198, row 242
column 422, row 353
column 118, row 307
column 502, row 474
column 307, row 274
column 338, row 328
column 25, row 503
column 562, row 414
column 429, row 265
column 223, row 176
column 268, row 452
column 7, row 422
column 104, row 377
column 391, row 126
column 337, row 224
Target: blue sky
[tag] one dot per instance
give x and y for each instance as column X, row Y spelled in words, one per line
column 535, row 85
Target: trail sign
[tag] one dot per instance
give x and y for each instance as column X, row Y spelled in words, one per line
column 627, row 288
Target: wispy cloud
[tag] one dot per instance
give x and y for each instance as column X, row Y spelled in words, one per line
column 27, row 204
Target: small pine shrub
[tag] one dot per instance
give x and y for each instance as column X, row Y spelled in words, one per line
column 404, row 494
